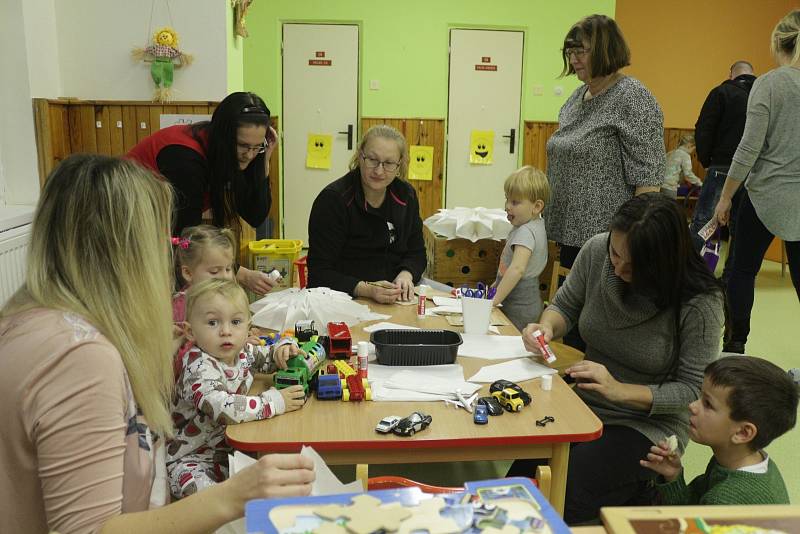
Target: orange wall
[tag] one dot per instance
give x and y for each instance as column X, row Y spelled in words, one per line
column 681, row 49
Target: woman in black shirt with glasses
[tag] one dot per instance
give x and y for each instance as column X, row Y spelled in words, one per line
column 221, row 165
column 365, row 227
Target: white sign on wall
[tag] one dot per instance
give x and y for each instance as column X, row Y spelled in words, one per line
column 171, row 119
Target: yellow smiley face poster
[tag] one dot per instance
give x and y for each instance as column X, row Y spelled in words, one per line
column 481, row 147
column 420, row 165
column 318, row 151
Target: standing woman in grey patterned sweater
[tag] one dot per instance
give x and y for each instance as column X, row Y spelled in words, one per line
column 768, row 157
column 609, row 145
column 651, row 314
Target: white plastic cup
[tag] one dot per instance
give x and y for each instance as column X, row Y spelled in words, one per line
column 477, row 313
column 547, row 382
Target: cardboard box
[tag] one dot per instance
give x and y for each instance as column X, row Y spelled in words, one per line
column 460, row 261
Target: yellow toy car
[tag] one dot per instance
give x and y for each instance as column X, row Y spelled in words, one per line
column 509, row 399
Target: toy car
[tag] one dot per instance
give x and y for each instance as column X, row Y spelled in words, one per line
column 387, row 423
column 500, row 385
column 355, row 388
column 304, row 330
column 509, row 399
column 329, row 387
column 339, row 341
column 413, row 423
column 481, row 415
column 492, row 405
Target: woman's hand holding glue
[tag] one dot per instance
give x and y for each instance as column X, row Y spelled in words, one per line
column 536, row 338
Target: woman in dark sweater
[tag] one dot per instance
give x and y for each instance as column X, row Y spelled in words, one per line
column 651, row 314
column 365, row 227
column 221, row 165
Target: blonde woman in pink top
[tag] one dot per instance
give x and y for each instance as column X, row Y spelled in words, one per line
column 86, row 374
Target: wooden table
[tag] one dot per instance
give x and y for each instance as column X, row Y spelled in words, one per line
column 665, row 519
column 344, row 432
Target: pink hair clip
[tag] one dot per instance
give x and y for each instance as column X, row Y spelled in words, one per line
column 182, row 242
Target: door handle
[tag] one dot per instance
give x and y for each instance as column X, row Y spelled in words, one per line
column 512, row 140
column 349, row 133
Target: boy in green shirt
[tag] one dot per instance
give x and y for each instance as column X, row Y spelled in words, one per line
column 745, row 403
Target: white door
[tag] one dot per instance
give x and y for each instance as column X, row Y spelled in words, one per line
column 484, row 96
column 320, row 97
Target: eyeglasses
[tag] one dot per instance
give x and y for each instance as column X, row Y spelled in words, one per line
column 258, row 149
column 372, row 163
column 578, row 52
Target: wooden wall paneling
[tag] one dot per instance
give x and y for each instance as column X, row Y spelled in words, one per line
column 537, row 134
column 102, row 130
column 200, row 110
column 142, row 122
column 274, row 183
column 428, row 132
column 534, row 148
column 116, row 130
column 82, row 128
column 155, row 118
column 44, row 137
column 185, row 109
column 169, row 109
column 60, row 138
column 129, row 127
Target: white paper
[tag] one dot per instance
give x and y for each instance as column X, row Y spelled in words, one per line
column 326, row 482
column 470, row 223
column 491, row 347
column 513, row 370
column 280, row 310
column 380, row 374
column 388, row 326
column 424, row 383
column 447, row 301
column 446, row 310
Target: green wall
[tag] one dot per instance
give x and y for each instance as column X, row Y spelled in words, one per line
column 404, row 46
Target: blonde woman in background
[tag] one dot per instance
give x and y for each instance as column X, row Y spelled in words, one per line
column 679, row 165
column 768, row 156
column 365, row 227
column 85, row 368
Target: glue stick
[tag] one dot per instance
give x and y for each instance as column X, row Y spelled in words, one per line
column 547, row 353
column 423, row 289
column 363, row 357
column 275, row 275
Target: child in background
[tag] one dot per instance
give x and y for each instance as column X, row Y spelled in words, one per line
column 201, row 252
column 525, row 254
column 212, row 389
column 745, row 403
column 679, row 162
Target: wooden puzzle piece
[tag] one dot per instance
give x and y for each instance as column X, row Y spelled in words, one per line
column 372, row 518
column 427, row 517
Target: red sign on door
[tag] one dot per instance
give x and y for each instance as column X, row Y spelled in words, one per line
column 320, row 54
column 320, row 62
column 486, row 67
column 486, row 59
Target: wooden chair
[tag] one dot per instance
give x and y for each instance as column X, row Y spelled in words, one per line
column 558, row 271
column 547, row 273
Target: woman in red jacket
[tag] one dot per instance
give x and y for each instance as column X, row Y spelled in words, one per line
column 221, row 165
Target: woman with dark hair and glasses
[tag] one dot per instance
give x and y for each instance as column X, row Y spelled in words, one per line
column 609, row 145
column 222, row 165
column 652, row 315
column 365, row 231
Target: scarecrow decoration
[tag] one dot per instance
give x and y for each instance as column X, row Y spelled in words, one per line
column 163, row 56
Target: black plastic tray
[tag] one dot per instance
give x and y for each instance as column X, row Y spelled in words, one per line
column 415, row 347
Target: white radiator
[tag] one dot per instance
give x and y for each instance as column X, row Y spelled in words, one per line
column 13, row 258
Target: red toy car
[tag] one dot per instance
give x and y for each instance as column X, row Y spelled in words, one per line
column 339, row 340
column 355, row 388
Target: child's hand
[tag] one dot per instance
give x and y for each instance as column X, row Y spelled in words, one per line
column 284, row 353
column 663, row 462
column 293, row 397
column 252, row 337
